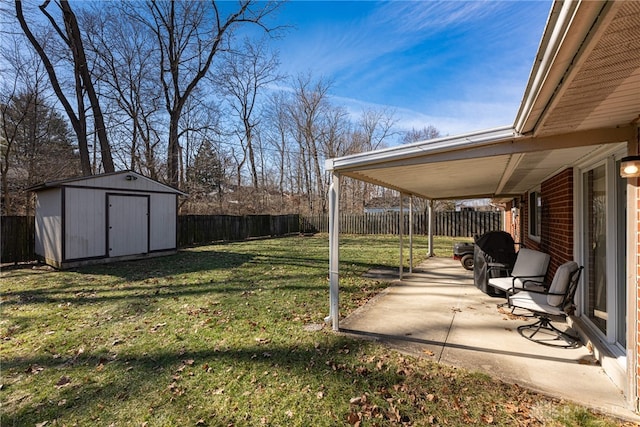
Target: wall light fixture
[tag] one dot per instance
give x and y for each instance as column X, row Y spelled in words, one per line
column 630, row 167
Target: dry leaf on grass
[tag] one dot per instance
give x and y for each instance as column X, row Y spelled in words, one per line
column 63, row 381
column 487, row 419
column 353, row 419
column 357, row 400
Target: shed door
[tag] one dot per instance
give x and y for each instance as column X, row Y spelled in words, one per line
column 128, row 228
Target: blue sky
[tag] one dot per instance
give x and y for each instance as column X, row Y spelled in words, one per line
column 459, row 66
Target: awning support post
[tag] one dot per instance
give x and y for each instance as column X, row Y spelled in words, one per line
column 410, row 234
column 401, row 232
column 334, row 265
column 432, row 228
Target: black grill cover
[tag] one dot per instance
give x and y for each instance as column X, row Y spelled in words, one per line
column 494, row 247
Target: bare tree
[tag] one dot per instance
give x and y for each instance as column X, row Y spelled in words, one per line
column 377, row 126
column 334, row 131
column 371, row 131
column 189, row 34
column 71, row 37
column 426, row 133
column 199, row 124
column 278, row 135
column 307, row 110
column 123, row 52
column 242, row 76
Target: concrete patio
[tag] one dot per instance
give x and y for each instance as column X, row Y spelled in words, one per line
column 437, row 312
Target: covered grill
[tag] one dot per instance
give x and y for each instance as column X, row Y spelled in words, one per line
column 495, row 248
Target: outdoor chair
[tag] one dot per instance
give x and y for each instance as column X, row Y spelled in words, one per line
column 557, row 301
column 530, row 266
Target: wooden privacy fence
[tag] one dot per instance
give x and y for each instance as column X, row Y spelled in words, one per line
column 18, row 232
column 453, row 224
column 199, row 229
column 17, row 236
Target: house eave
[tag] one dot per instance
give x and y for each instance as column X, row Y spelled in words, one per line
column 423, row 148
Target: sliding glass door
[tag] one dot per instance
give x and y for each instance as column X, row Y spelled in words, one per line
column 595, row 251
column 604, row 251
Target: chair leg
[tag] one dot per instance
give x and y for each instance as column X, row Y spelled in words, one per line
column 554, row 336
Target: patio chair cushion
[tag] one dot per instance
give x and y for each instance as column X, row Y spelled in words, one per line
column 534, row 301
column 560, row 283
column 530, row 264
column 505, row 283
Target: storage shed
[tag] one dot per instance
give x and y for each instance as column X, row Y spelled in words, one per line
column 104, row 218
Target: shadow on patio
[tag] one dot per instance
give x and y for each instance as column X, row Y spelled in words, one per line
column 437, row 312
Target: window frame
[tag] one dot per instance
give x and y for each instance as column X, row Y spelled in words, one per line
column 534, row 211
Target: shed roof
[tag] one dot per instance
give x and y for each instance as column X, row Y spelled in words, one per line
column 582, row 100
column 106, row 181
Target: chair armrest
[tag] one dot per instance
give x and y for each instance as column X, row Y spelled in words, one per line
column 534, row 291
column 525, row 279
column 536, row 284
column 496, row 266
column 530, row 278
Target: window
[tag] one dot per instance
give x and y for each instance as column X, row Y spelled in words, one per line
column 535, row 214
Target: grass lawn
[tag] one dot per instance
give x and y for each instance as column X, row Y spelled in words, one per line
column 215, row 336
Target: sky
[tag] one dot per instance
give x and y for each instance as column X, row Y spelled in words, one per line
column 459, row 66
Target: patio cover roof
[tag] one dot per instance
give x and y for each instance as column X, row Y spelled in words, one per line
column 583, row 95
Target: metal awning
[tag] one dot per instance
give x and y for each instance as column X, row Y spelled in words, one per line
column 582, row 100
column 497, row 163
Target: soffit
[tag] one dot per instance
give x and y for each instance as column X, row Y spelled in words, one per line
column 498, row 176
column 604, row 90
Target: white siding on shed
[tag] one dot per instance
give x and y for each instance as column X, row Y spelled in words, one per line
column 48, row 224
column 85, row 223
column 163, row 221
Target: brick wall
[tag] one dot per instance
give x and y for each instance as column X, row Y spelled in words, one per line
column 557, row 219
column 556, row 234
